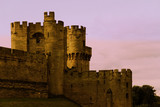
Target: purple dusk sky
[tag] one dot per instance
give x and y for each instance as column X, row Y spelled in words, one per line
column 122, row 33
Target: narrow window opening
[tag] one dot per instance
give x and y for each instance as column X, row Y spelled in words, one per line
column 84, row 44
column 73, row 56
column 90, row 98
column 69, row 56
column 127, row 84
column 37, row 40
column 38, row 36
column 126, row 95
column 77, row 54
column 109, row 91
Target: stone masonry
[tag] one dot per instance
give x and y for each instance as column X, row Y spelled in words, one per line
column 53, row 60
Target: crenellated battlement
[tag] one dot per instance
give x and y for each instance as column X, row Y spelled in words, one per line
column 9, row 51
column 76, row 28
column 88, row 50
column 11, row 54
column 24, row 25
column 102, row 74
column 37, row 25
column 18, row 25
column 57, row 55
column 78, row 56
column 49, row 16
column 115, row 74
column 95, row 85
column 60, row 23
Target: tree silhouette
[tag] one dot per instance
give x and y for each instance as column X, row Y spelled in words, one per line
column 143, row 95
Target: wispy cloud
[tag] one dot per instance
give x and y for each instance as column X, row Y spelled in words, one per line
column 5, row 41
column 142, row 57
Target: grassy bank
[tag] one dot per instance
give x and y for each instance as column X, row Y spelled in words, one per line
column 53, row 102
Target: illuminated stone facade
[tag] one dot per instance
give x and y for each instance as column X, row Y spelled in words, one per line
column 53, row 60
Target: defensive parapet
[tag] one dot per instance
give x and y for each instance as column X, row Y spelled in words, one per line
column 23, row 74
column 76, row 39
column 55, row 47
column 21, row 56
column 34, row 28
column 16, row 25
column 36, row 38
column 105, row 87
column 78, row 54
column 124, row 74
column 19, row 35
column 38, row 59
column 27, row 38
column 60, row 23
column 76, row 27
column 49, row 17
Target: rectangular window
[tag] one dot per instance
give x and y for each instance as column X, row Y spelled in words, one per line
column 84, row 44
column 127, row 85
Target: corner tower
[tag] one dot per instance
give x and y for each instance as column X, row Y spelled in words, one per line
column 19, row 35
column 55, row 49
column 78, row 54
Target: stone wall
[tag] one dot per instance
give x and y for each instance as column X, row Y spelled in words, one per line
column 55, row 48
column 78, row 54
column 36, row 40
column 25, row 71
column 106, row 88
column 22, row 89
column 22, row 74
column 19, row 35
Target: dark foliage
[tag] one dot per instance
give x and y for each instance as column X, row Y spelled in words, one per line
column 143, row 95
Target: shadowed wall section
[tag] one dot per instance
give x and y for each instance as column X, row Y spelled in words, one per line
column 35, row 39
column 78, row 54
column 22, row 74
column 52, row 60
column 106, row 88
column 19, row 36
column 55, row 49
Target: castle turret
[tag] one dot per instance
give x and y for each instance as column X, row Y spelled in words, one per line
column 78, row 54
column 19, row 35
column 36, row 38
column 55, row 45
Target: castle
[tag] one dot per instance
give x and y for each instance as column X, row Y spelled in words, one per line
column 53, row 60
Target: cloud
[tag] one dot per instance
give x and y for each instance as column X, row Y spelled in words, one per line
column 142, row 57
column 5, row 41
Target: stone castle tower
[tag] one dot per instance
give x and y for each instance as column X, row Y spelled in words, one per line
column 55, row 60
column 49, row 39
column 78, row 54
column 63, row 45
